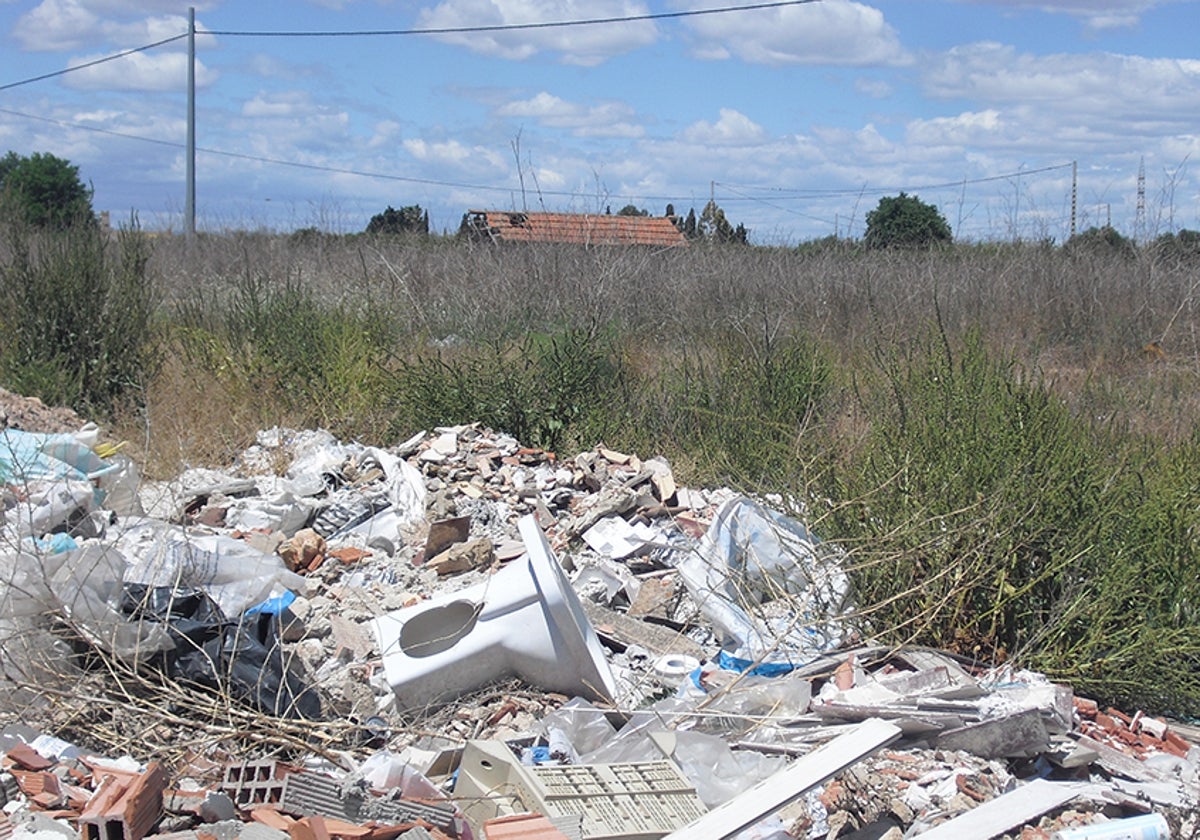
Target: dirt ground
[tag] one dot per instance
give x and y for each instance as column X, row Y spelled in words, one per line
column 32, row 415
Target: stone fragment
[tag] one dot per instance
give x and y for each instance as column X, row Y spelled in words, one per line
column 303, row 552
column 464, row 557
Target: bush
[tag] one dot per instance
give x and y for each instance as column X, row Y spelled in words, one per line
column 325, row 362
column 77, row 318
column 405, row 220
column 545, row 390
column 904, row 221
column 1183, row 246
column 1101, row 241
column 975, row 499
column 44, row 191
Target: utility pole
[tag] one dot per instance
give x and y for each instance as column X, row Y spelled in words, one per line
column 1140, row 223
column 1074, row 192
column 189, row 202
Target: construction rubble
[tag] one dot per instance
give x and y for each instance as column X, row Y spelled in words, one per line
column 461, row 637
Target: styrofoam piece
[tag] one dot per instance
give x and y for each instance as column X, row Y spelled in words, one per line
column 637, row 800
column 770, row 795
column 524, row 621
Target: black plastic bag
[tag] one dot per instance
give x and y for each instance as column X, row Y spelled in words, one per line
column 243, row 657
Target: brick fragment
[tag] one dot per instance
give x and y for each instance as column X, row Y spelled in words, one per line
column 124, row 807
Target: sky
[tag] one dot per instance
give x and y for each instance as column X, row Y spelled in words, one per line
column 796, row 118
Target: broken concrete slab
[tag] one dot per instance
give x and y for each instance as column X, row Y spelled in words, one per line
column 1022, row 735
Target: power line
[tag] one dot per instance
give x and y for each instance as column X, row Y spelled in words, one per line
column 313, row 166
column 738, row 195
column 87, row 64
column 502, row 27
column 774, row 206
column 789, row 192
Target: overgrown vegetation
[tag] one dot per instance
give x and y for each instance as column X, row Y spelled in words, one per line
column 1001, row 436
column 77, row 322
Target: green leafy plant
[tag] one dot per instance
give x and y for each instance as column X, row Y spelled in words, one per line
column 905, row 221
column 405, row 220
column 1102, row 241
column 44, row 191
column 79, row 313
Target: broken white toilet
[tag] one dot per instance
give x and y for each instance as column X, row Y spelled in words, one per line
column 524, row 621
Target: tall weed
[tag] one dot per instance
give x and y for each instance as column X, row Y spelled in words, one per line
column 78, row 315
column 974, row 500
column 545, row 389
column 324, row 362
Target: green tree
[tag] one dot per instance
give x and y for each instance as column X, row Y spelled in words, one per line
column 410, row 219
column 44, row 191
column 689, row 224
column 905, row 221
column 1183, row 245
column 1101, row 240
column 632, row 210
column 714, row 226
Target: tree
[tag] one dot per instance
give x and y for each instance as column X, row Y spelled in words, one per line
column 905, row 221
column 405, row 220
column 689, row 224
column 714, row 226
column 1183, row 246
column 632, row 210
column 1100, row 241
column 44, row 191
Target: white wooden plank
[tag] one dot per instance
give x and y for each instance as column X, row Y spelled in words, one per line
column 1013, row 809
column 769, row 795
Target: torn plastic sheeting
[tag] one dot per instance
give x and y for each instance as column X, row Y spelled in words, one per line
column 29, row 456
column 84, row 587
column 319, row 460
column 242, row 657
column 406, row 485
column 752, row 556
column 716, row 771
column 51, row 506
column 236, row 575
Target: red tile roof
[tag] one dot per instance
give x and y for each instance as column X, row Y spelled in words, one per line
column 576, row 228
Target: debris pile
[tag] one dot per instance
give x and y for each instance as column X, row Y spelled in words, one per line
column 462, row 637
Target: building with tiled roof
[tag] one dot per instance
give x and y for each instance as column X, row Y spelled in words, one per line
column 574, row 228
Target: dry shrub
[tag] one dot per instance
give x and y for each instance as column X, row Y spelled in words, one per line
column 196, row 417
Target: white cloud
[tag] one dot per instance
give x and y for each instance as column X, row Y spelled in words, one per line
column 1095, row 14
column 582, row 45
column 137, row 72
column 58, row 25
column 733, row 128
column 385, row 134
column 874, row 88
column 1101, row 86
column 610, row 119
column 291, row 125
column 834, row 32
column 453, row 153
column 966, row 129
column 289, row 104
